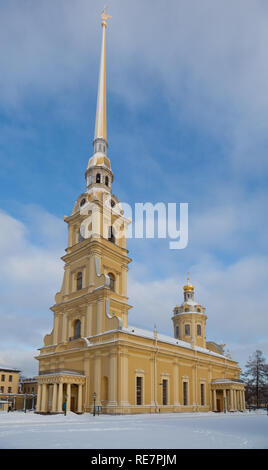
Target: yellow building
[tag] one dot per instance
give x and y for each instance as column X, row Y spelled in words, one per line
column 93, row 356
column 9, row 380
column 29, row 385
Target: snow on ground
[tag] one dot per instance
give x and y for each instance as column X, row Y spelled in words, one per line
column 247, row 430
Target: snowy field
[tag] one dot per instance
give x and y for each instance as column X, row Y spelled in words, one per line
column 166, row 431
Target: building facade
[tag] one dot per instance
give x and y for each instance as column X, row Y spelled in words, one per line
column 93, row 357
column 29, row 385
column 9, row 380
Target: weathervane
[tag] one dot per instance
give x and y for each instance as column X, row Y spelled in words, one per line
column 105, row 16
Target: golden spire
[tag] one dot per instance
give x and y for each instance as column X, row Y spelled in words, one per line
column 188, row 285
column 101, row 120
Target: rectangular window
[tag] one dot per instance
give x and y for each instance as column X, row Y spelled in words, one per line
column 139, row 390
column 185, row 393
column 10, row 378
column 2, row 389
column 187, row 330
column 9, row 390
column 202, row 394
column 165, row 391
column 3, row 378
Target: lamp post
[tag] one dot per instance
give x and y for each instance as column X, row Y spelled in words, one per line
column 94, row 409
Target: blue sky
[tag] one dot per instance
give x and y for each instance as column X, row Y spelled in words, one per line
column 187, row 100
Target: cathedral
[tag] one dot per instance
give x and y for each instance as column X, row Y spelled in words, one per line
column 93, row 359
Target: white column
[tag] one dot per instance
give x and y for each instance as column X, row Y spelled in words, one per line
column 68, row 400
column 224, row 400
column 39, row 395
column 44, row 398
column 214, row 401
column 79, row 406
column 54, row 398
column 231, row 399
column 235, row 400
column 60, row 397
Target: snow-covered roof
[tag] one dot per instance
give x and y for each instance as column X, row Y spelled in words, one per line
column 9, row 369
column 169, row 339
column 224, row 381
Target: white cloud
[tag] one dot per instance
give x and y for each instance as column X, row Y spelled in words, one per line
column 234, row 297
column 31, row 273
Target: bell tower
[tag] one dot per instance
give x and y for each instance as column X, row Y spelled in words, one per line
column 189, row 319
column 93, row 298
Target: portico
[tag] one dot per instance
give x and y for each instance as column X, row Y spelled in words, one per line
column 228, row 395
column 56, row 388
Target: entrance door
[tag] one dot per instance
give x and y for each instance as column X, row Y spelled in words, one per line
column 73, row 407
column 218, row 404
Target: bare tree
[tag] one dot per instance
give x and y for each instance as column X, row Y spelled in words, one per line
column 255, row 376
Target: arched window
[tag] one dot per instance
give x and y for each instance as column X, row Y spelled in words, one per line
column 198, row 330
column 106, row 180
column 177, row 332
column 186, row 309
column 77, row 329
column 98, row 178
column 112, row 280
column 79, row 281
column 187, row 330
column 111, row 236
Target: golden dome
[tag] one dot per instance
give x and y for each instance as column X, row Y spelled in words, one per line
column 189, row 287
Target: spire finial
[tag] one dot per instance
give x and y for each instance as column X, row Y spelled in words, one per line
column 188, row 277
column 104, row 16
